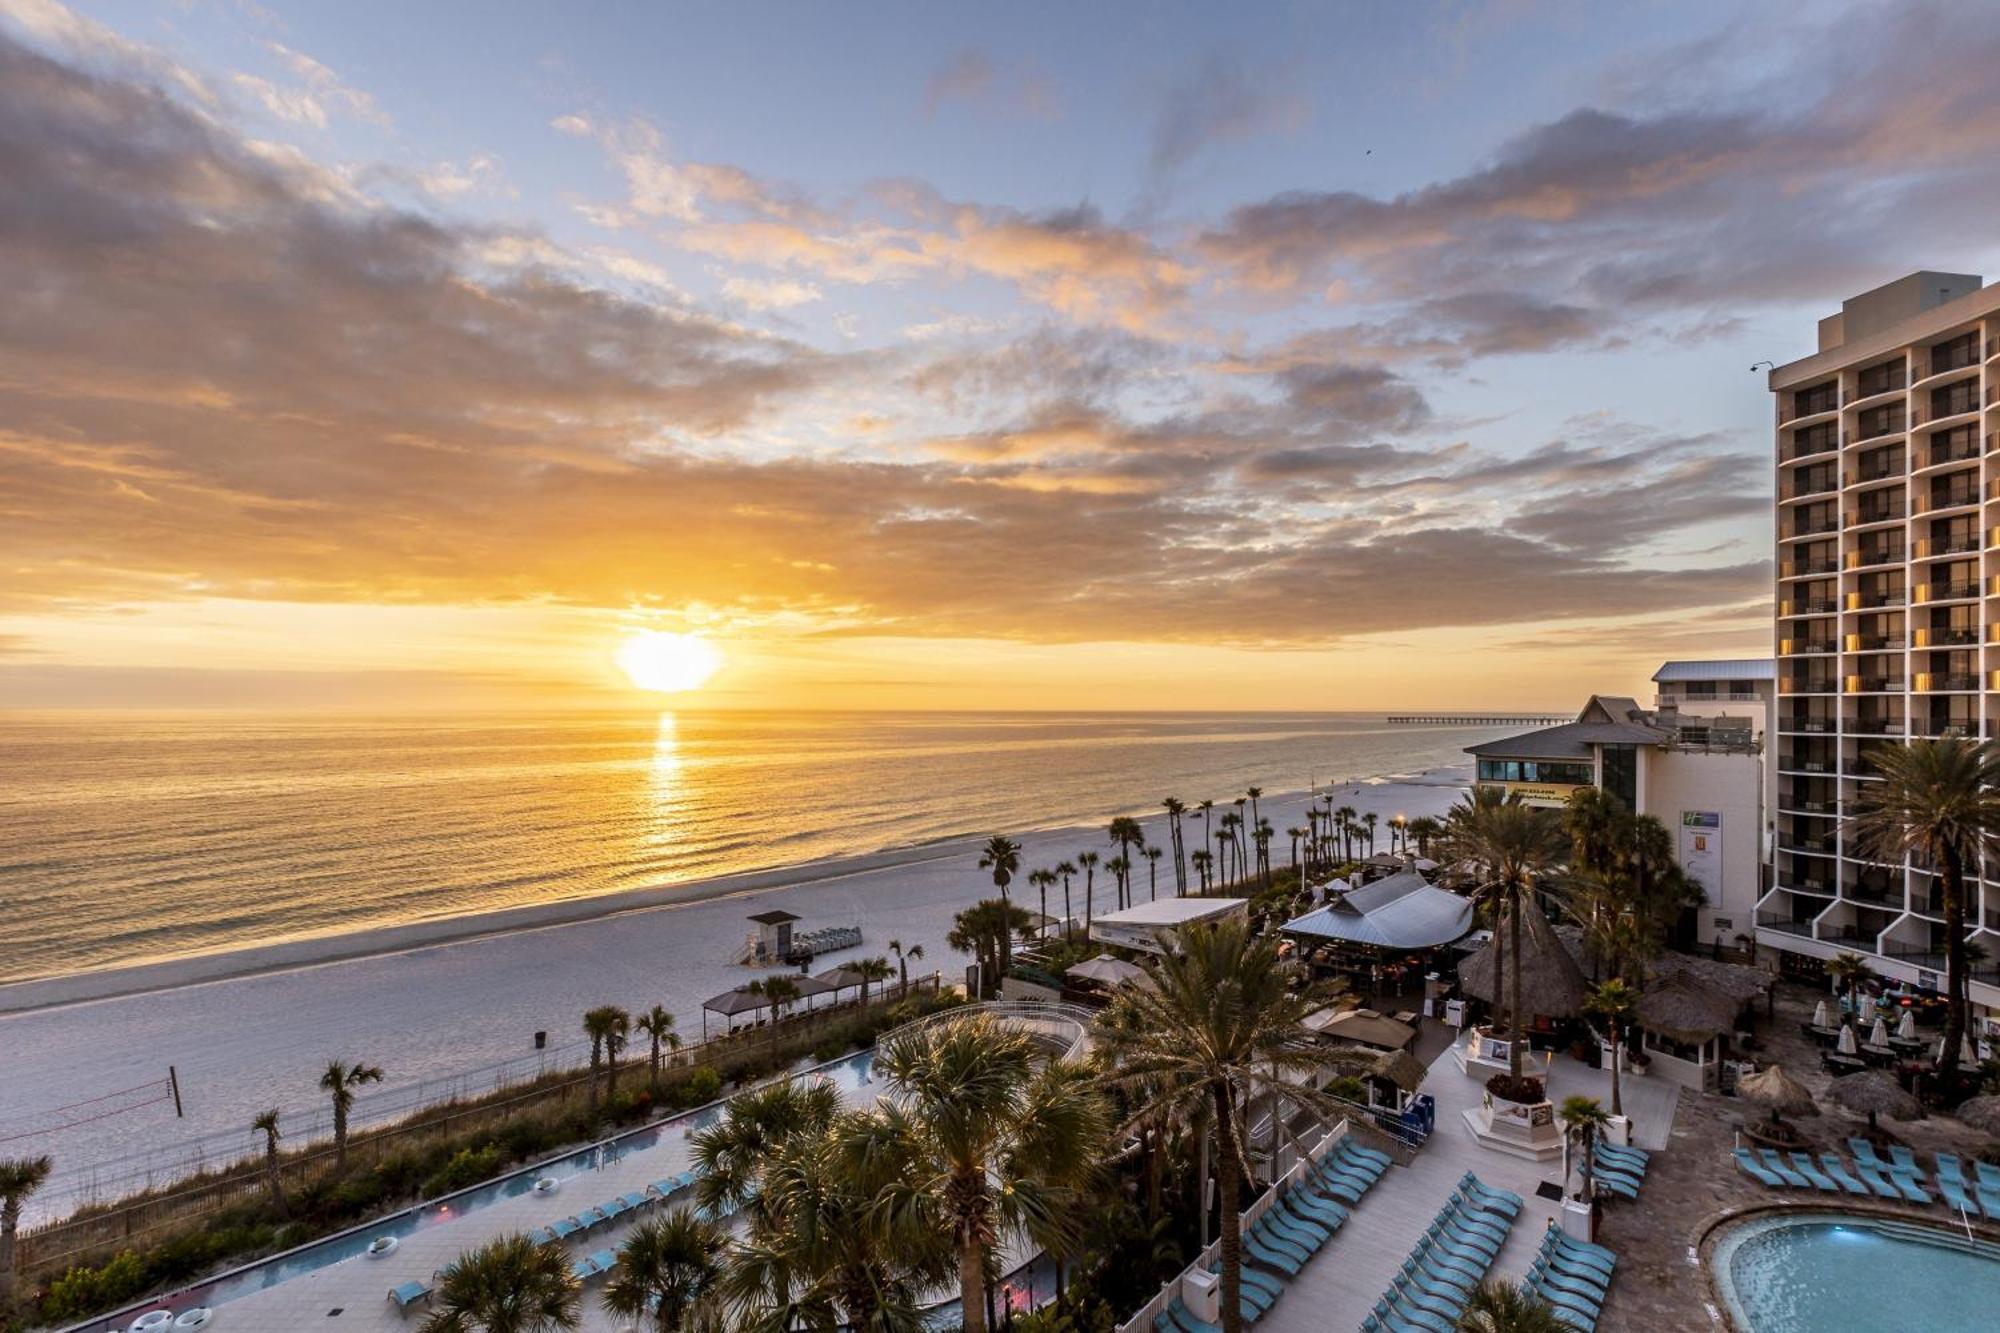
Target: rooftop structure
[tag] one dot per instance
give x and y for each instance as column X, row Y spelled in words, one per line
column 1151, row 927
column 1403, row 911
column 1886, row 573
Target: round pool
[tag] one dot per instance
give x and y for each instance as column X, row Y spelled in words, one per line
column 1815, row 1272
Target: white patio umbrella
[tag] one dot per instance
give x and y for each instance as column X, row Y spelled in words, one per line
column 1906, row 1027
column 1966, row 1055
column 1846, row 1044
column 1107, row 971
column 1819, row 1014
column 1879, row 1034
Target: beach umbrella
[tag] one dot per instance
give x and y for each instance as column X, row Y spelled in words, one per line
column 1774, row 1088
column 1871, row 1093
column 1819, row 1015
column 1906, row 1027
column 1966, row 1055
column 1982, row 1113
column 1846, row 1045
column 1879, row 1034
column 1107, row 971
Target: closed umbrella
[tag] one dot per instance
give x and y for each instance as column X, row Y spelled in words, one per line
column 1774, row 1088
column 1906, row 1027
column 1966, row 1055
column 1871, row 1093
column 1879, row 1034
column 1819, row 1014
column 1846, row 1045
column 1982, row 1113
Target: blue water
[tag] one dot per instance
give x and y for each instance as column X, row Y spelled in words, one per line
column 1831, row 1274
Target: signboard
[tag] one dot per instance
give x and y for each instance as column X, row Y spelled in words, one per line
column 1538, row 793
column 1701, row 851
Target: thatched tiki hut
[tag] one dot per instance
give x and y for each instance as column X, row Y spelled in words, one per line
column 1683, row 1027
column 1552, row 985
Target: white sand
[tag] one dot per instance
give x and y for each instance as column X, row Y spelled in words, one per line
column 436, row 999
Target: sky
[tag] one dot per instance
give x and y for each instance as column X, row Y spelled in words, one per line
column 1148, row 355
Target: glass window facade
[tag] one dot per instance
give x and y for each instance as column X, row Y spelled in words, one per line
column 1621, row 773
column 1536, row 770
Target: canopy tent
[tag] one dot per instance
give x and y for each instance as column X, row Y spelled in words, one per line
column 1403, row 912
column 1108, row 971
column 1364, row 1027
column 743, row 1000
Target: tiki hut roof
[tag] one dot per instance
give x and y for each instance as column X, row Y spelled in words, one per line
column 1872, row 1092
column 1551, row 982
column 1680, row 1008
column 1774, row 1088
column 1400, row 1068
column 1982, row 1113
column 1741, row 984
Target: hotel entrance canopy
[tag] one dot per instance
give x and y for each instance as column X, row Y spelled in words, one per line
column 1403, row 912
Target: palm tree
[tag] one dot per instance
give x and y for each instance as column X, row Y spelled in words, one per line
column 1040, row 880
column 1423, row 828
column 1152, row 855
column 339, row 1081
column 267, row 1121
column 1514, row 845
column 668, row 1272
column 1220, row 1027
column 1002, row 856
column 1344, row 818
column 1088, row 860
column 1263, row 839
column 1201, row 861
column 872, row 969
column 508, row 1285
column 1368, row 821
column 20, row 1177
column 657, row 1026
column 997, row 1147
column 1205, row 807
column 1850, row 969
column 1125, row 833
column 731, row 1153
column 1253, row 793
column 1935, row 802
column 1295, row 834
column 606, row 1026
column 903, row 957
column 1583, row 1122
column 1506, row 1307
column 984, row 930
column 1120, row 868
column 1615, row 1003
column 1592, row 816
column 780, row 993
column 1065, row 869
column 1175, row 808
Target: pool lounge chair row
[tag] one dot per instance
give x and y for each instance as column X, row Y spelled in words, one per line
column 1287, row 1233
column 1449, row 1262
column 591, row 1218
column 1898, row 1178
column 1573, row 1276
column 1619, row 1170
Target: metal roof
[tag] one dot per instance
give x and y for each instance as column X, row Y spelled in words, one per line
column 1400, row 912
column 1740, row 668
column 1571, row 740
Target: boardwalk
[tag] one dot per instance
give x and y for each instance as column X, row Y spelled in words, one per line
column 1469, row 720
column 1342, row 1283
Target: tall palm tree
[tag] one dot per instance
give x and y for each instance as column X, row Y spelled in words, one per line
column 669, row 1273
column 1583, row 1121
column 1515, row 846
column 1040, row 880
column 1002, row 856
column 20, row 1177
column 1065, row 870
column 1593, row 816
column 1295, row 834
column 657, row 1026
column 1088, row 860
column 1152, row 855
column 1936, row 803
column 1615, row 1003
column 1205, row 807
column 607, row 1026
column 508, row 1285
column 1253, row 793
column 267, row 1122
column 1175, row 808
column 731, row 1153
column 903, row 958
column 338, row 1081
column 1125, row 833
column 1369, row 821
column 1498, row 1306
column 872, row 969
column 1201, row 861
column 1219, row 1028
column 1345, row 817
column 780, row 993
column 1263, row 839
column 997, row 1147
column 1848, row 968
column 1423, row 828
column 1120, row 868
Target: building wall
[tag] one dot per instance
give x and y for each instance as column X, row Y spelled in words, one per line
column 1713, row 806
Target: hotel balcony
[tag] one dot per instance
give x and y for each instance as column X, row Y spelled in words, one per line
column 1812, row 525
column 1801, row 647
column 1955, row 496
column 1805, row 763
column 1935, row 682
column 1873, row 599
column 1806, row 606
column 1790, row 925
column 1874, row 684
column 1887, row 554
column 1992, row 441
column 1807, row 726
column 1886, row 511
column 1880, row 422
column 1950, row 636
column 1883, row 377
column 1810, row 481
column 1803, row 403
column 1874, row 642
column 1954, row 354
column 1875, row 726
column 1812, row 442
column 1954, row 400
column 1820, row 844
column 1957, row 543
column 1955, row 591
column 1950, row 447
column 1940, row 726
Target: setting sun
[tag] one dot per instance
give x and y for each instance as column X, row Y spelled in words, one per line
column 668, row 663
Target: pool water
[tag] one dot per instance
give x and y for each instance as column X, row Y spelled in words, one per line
column 1838, row 1273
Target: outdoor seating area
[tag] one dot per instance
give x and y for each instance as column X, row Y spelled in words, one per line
column 1430, row 1293
column 1619, row 1170
column 1301, row 1218
column 1573, row 1276
column 1901, row 1177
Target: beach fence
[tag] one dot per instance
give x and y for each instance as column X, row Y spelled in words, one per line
column 140, row 1199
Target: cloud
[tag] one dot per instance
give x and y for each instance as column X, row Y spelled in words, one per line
column 777, row 294
column 972, row 77
column 1222, row 99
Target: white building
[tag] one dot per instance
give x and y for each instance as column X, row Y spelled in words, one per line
column 1887, row 560
column 1700, row 774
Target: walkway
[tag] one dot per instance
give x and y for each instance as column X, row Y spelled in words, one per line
column 1342, row 1283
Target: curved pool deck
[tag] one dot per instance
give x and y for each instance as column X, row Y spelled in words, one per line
column 1821, row 1270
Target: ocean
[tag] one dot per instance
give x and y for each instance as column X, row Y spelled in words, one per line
column 135, row 838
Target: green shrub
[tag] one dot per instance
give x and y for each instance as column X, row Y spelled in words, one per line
column 468, row 1166
column 703, row 1086
column 82, row 1292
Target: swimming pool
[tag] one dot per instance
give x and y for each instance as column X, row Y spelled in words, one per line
column 1818, row 1272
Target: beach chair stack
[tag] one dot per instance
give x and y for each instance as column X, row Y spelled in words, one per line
column 1901, row 1177
column 1619, row 1170
column 1430, row 1293
column 1300, row 1221
column 1573, row 1276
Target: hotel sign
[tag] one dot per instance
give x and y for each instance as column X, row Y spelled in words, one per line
column 1701, row 850
column 1540, row 793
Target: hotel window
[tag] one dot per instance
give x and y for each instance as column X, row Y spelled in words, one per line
column 1535, row 770
column 1621, row 773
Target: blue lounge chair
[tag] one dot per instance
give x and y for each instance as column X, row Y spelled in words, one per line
column 1864, row 1154
column 1303, row 1201
column 1636, row 1155
column 1411, row 1296
column 406, row 1294
column 1460, row 1241
column 1441, row 1282
column 1776, row 1163
column 1756, row 1170
column 564, row 1228
column 584, row 1269
column 591, row 1217
column 605, row 1260
column 1873, row 1178
column 1308, row 1236
column 1281, row 1259
column 1267, row 1287
column 1582, row 1254
column 1276, row 1241
column 1388, row 1322
column 1986, row 1185
column 1618, row 1166
column 1580, row 1295
column 613, row 1209
column 1431, row 1255
column 1951, row 1181
column 1464, row 1216
column 1803, row 1164
column 1564, row 1312
column 1354, row 1148
column 1905, row 1161
column 1184, row 1320
column 1489, row 1197
column 1414, row 1321
column 1585, row 1281
column 634, row 1200
column 1830, row 1163
column 1569, row 1267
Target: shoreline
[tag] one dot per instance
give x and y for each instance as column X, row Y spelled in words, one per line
column 127, row 980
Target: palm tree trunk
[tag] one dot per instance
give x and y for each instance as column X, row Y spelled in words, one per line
column 339, row 1136
column 1232, row 1221
column 1617, row 1059
column 10, row 1224
column 1951, row 877
column 1499, row 971
column 1069, row 917
column 271, row 1179
column 1514, row 995
column 971, row 1286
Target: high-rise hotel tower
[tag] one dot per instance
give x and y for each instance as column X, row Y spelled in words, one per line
column 1888, row 610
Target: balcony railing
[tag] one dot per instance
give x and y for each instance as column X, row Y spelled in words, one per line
column 1949, row 592
column 1808, row 685
column 1876, row 726
column 1886, row 512
column 1874, row 427
column 1963, row 543
column 1810, row 483
column 1954, row 355
column 1812, row 402
column 1952, row 636
column 1804, row 806
column 1816, row 846
column 1881, row 379
column 1925, row 726
column 1952, row 402
column 1880, row 895
column 1800, row 763
column 1807, row 525
column 1945, row 449
column 1950, row 497
column 1808, row 726
column 1799, row 647
column 1871, row 600
column 1789, row 925
column 1874, row 684
column 1868, row 472
column 1864, row 557
column 1817, row 606
column 1810, row 443
column 1947, row 680
column 1873, row 643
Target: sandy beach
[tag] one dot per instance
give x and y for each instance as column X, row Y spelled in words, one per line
column 430, row 1001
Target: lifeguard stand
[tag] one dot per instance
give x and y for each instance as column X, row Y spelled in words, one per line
column 773, row 941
